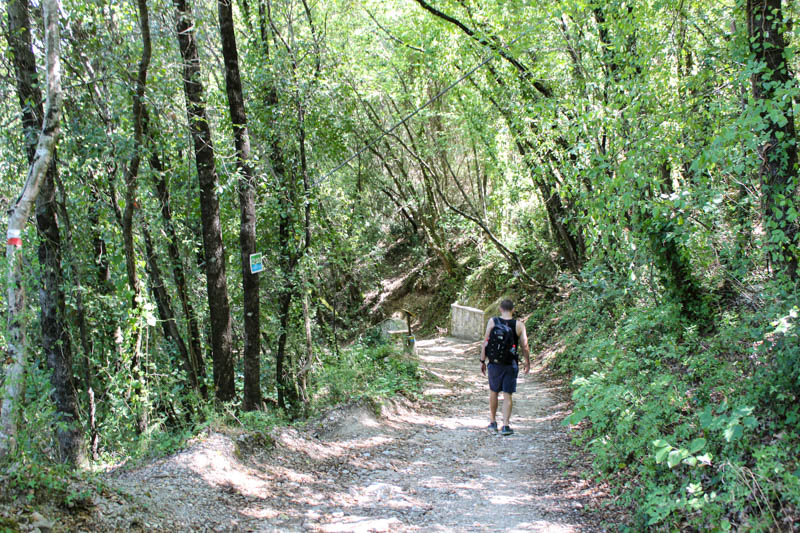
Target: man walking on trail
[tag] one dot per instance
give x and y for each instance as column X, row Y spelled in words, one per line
column 505, row 336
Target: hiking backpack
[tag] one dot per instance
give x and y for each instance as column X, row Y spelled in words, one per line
column 501, row 348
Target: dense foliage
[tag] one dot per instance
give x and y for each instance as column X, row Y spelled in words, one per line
column 696, row 428
column 627, row 169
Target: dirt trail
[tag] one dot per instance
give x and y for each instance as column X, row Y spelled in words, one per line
column 430, row 467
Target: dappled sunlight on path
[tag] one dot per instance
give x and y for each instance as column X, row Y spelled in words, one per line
column 425, row 465
column 448, row 473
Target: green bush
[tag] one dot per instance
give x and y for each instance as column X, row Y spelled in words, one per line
column 367, row 369
column 695, row 426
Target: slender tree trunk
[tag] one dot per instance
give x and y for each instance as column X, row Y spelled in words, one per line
column 671, row 256
column 400, row 207
column 571, row 243
column 778, row 154
column 165, row 312
column 427, row 213
column 110, row 328
column 102, row 267
column 333, row 313
column 80, row 312
column 493, row 43
column 131, row 177
column 178, row 273
column 17, row 219
column 113, row 337
column 569, row 239
column 217, row 285
column 132, row 171
column 308, row 363
column 56, row 342
column 305, row 368
column 247, row 231
column 55, row 339
column 286, row 393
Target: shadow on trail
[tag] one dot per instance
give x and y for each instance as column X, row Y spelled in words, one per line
column 428, row 465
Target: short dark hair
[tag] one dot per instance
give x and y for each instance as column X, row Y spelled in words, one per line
column 506, row 305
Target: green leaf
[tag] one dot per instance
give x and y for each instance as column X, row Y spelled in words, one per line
column 696, row 445
column 574, row 418
column 706, row 417
column 676, row 456
column 661, row 453
column 733, row 432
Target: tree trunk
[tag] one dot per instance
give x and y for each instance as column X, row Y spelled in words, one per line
column 55, row 340
column 286, row 393
column 165, row 312
column 80, row 312
column 132, row 171
column 247, row 232
column 102, row 267
column 17, row 219
column 671, row 256
column 56, row 343
column 571, row 243
column 110, row 329
column 178, row 274
column 427, row 212
column 131, row 176
column 778, row 154
column 305, row 368
column 217, row 286
column 493, row 43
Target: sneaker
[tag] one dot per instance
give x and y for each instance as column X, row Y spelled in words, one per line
column 492, row 426
column 506, row 430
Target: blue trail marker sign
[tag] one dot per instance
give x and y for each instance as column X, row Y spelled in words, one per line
column 256, row 264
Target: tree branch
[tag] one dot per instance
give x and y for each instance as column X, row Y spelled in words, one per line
column 523, row 71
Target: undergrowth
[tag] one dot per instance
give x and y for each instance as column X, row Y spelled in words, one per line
column 696, row 425
column 370, row 368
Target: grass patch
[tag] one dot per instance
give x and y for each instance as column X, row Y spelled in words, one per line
column 368, row 369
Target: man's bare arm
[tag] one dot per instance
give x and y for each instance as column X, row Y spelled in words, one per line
column 523, row 344
column 489, row 327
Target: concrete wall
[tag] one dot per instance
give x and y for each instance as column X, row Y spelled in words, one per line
column 466, row 322
column 393, row 324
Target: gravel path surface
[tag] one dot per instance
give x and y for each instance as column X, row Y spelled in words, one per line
column 429, row 465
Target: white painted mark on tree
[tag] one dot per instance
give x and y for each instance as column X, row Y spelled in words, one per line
column 14, row 238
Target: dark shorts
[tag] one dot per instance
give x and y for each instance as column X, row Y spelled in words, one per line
column 503, row 377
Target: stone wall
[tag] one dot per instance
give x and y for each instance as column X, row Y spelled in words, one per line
column 466, row 322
